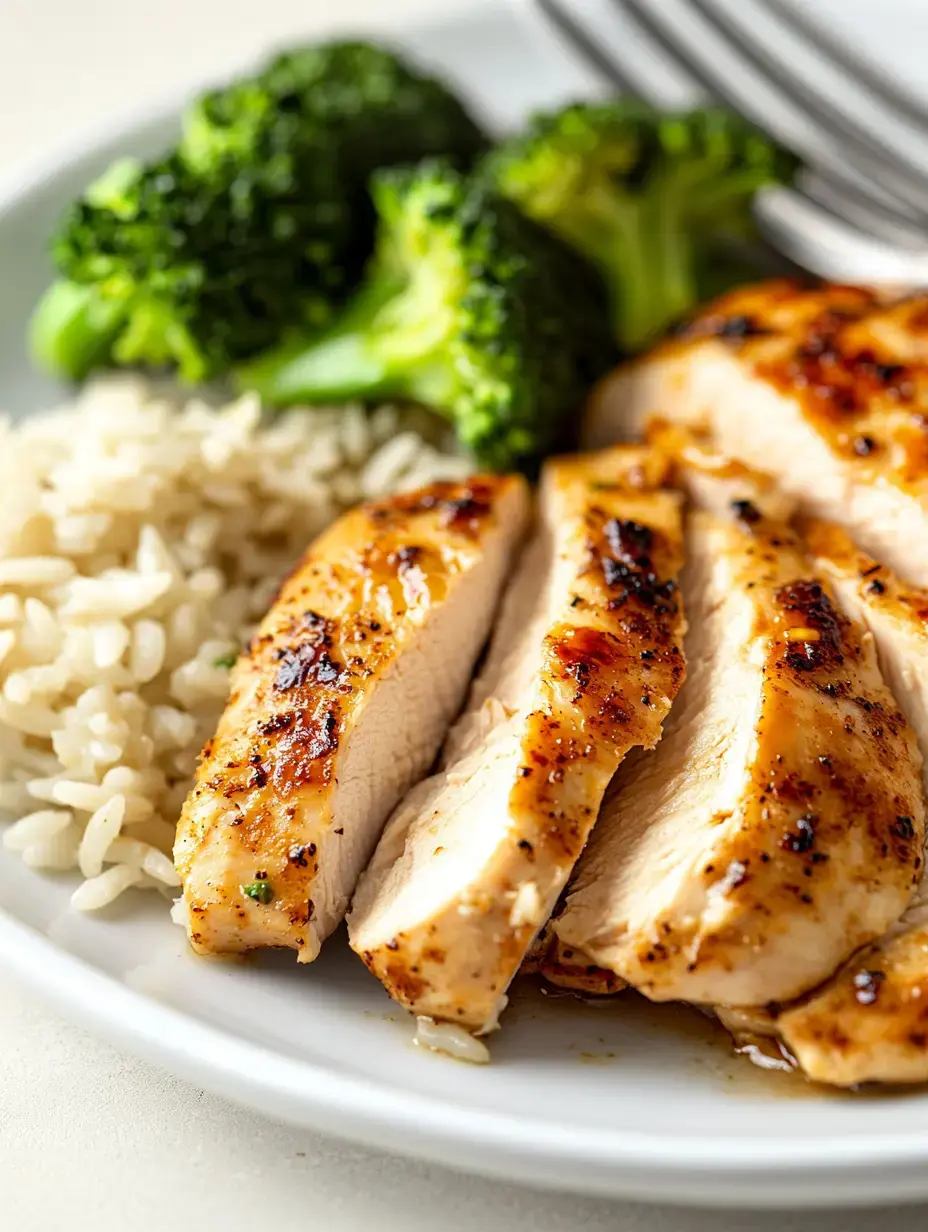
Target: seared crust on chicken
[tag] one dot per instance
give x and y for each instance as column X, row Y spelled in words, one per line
column 714, row 482
column 896, row 615
column 584, row 665
column 568, row 968
column 869, row 1022
column 779, row 824
column 825, row 388
column 337, row 707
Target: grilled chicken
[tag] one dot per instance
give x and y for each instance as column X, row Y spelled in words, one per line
column 779, row 824
column 714, row 482
column 337, row 708
column 720, row 485
column 896, row 615
column 869, row 1023
column 562, row 965
column 583, row 666
column 826, row 389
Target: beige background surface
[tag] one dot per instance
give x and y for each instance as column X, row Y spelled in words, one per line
column 90, row 1138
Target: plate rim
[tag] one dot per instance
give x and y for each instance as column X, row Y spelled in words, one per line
column 197, row 1049
column 611, row 1162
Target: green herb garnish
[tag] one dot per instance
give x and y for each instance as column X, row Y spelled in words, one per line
column 260, row 891
column 226, row 660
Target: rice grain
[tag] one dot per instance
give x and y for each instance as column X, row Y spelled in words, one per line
column 141, row 539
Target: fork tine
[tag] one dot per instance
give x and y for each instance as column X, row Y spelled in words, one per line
column 847, row 210
column 714, row 83
column 811, row 101
column 851, row 183
column 850, row 62
column 572, row 33
column 831, row 190
column 840, row 188
column 813, row 238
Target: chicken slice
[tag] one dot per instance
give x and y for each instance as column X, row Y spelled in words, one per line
column 779, row 824
column 869, row 1023
column 896, row 615
column 338, row 707
column 720, row 485
column 826, row 389
column 583, row 666
column 565, row 967
column 714, row 482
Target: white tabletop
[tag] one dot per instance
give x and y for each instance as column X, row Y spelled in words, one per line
column 90, row 1138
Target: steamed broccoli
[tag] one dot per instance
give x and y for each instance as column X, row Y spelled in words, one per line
column 162, row 268
column 257, row 222
column 360, row 101
column 468, row 307
column 661, row 203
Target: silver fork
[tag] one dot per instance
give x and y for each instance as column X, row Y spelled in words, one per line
column 859, row 210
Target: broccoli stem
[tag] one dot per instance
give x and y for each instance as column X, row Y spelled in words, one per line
column 672, row 276
column 155, row 337
column 646, row 258
column 659, row 282
column 356, row 357
column 644, row 246
column 73, row 328
column 336, row 368
column 647, row 261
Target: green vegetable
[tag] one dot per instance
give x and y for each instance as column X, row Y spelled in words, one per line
column 661, row 203
column 74, row 328
column 227, row 660
column 171, row 271
column 468, row 307
column 359, row 103
column 258, row 222
column 260, row 891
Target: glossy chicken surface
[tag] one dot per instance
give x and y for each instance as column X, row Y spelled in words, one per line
column 869, row 1022
column 825, row 388
column 779, row 824
column 895, row 613
column 583, row 666
column 337, row 707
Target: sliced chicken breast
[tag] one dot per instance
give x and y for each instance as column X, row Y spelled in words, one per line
column 896, row 615
column 583, row 666
column 826, row 389
column 715, row 482
column 338, row 706
column 566, row 967
column 779, row 824
column 869, row 1022
column 720, row 485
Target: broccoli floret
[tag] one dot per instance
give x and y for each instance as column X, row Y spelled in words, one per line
column 364, row 102
column 163, row 268
column 660, row 203
column 259, row 222
column 467, row 307
column 310, row 129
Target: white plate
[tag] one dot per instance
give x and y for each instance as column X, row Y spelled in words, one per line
column 626, row 1100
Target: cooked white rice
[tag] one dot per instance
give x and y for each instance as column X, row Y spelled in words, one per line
column 140, row 541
